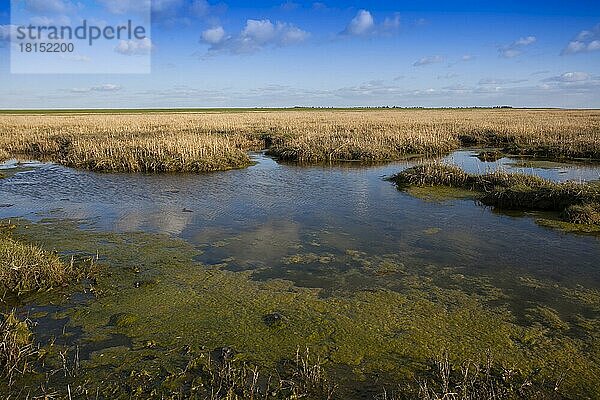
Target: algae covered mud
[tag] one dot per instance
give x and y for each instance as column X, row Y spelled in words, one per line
column 214, row 286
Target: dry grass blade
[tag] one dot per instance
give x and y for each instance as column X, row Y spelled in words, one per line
column 16, row 347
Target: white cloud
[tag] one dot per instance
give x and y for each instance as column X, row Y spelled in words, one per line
column 291, row 34
column 108, row 87
column 570, row 77
column 259, row 31
column 525, row 41
column 362, row 24
column 428, row 61
column 467, row 57
column 575, row 47
column 213, row 36
column 256, row 35
column 586, row 41
column 134, row 47
column 515, row 49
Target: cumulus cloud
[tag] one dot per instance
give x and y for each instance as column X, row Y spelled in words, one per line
column 428, row 61
column 256, row 35
column 134, row 47
column 213, row 36
column 586, row 41
column 515, row 49
column 364, row 24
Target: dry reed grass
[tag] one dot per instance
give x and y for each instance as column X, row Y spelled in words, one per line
column 161, row 142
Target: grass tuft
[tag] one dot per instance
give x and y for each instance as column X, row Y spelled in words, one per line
column 587, row 214
column 26, row 267
column 577, row 202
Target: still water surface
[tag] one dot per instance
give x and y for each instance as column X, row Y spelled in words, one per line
column 257, row 216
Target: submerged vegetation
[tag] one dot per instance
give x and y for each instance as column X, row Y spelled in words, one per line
column 577, row 202
column 201, row 331
column 197, row 142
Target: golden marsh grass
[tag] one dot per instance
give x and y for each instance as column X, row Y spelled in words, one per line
column 209, row 141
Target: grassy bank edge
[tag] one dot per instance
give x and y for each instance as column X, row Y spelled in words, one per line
column 577, row 202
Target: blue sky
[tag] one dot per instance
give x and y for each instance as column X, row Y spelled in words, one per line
column 331, row 53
